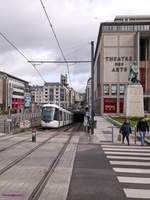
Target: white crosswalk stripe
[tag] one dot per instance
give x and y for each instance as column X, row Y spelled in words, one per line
column 132, row 166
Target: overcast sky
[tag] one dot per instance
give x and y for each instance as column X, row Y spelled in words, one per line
column 76, row 23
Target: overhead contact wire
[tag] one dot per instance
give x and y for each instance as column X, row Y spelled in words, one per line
column 20, row 52
column 49, row 21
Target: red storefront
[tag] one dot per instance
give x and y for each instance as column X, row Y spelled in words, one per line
column 17, row 103
column 110, row 105
column 121, row 105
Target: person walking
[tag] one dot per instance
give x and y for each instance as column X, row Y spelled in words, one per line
column 125, row 130
column 142, row 127
column 86, row 122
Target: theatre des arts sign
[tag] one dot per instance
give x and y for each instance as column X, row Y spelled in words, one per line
column 117, row 64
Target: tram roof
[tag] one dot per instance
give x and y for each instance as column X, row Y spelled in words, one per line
column 56, row 106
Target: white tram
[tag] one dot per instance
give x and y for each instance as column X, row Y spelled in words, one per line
column 53, row 116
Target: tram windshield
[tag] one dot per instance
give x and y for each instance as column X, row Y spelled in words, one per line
column 47, row 114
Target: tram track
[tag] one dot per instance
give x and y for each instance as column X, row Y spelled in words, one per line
column 13, row 163
column 24, row 140
column 20, row 158
column 37, row 191
column 46, row 156
column 17, row 160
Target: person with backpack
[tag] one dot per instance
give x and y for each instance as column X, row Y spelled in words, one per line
column 142, row 127
column 125, row 130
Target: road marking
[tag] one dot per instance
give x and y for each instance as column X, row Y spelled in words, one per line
column 137, row 193
column 126, row 147
column 119, row 149
column 127, row 153
column 123, row 179
column 128, row 157
column 130, row 163
column 132, row 170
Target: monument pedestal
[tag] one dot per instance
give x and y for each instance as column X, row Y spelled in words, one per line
column 134, row 101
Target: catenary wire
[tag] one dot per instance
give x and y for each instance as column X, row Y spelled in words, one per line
column 20, row 52
column 51, row 26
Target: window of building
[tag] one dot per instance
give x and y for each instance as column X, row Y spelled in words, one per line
column 113, row 89
column 51, row 94
column 143, row 48
column 62, row 94
column 121, row 89
column 106, row 89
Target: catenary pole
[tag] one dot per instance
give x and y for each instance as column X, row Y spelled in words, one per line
column 92, row 87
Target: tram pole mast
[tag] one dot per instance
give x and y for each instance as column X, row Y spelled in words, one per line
column 92, row 87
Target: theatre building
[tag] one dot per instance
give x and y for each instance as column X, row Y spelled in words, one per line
column 119, row 44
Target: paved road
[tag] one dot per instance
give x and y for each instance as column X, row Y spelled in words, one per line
column 132, row 168
column 92, row 168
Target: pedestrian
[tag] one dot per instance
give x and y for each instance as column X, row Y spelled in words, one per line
column 142, row 127
column 86, row 122
column 125, row 130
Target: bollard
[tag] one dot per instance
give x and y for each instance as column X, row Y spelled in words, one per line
column 34, row 135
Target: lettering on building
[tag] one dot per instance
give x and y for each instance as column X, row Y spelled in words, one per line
column 119, row 62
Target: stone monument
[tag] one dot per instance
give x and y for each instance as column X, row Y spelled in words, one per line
column 133, row 105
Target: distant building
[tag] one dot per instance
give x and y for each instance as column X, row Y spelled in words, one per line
column 63, row 80
column 56, row 93
column 12, row 91
column 37, row 94
column 119, row 44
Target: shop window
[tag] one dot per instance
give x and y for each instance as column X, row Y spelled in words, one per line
column 113, row 89
column 106, row 89
column 121, row 89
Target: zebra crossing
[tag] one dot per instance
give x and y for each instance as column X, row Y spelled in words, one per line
column 131, row 164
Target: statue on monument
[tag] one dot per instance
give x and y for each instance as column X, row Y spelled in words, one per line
column 133, row 73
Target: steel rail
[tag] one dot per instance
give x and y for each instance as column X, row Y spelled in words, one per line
column 20, row 158
column 42, row 183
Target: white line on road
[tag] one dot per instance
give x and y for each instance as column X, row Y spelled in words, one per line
column 128, row 157
column 122, row 149
column 127, row 153
column 126, row 147
column 132, row 170
column 129, row 163
column 137, row 193
column 123, row 179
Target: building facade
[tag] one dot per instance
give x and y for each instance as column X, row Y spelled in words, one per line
column 56, row 93
column 88, row 94
column 12, row 92
column 119, row 44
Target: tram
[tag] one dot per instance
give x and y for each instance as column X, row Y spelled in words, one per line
column 54, row 116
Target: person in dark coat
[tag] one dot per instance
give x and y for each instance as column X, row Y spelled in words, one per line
column 142, row 128
column 125, row 130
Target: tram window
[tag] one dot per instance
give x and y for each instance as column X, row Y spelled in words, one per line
column 56, row 116
column 64, row 116
column 47, row 114
column 60, row 115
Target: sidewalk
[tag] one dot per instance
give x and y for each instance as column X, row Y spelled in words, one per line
column 93, row 178
column 103, row 133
